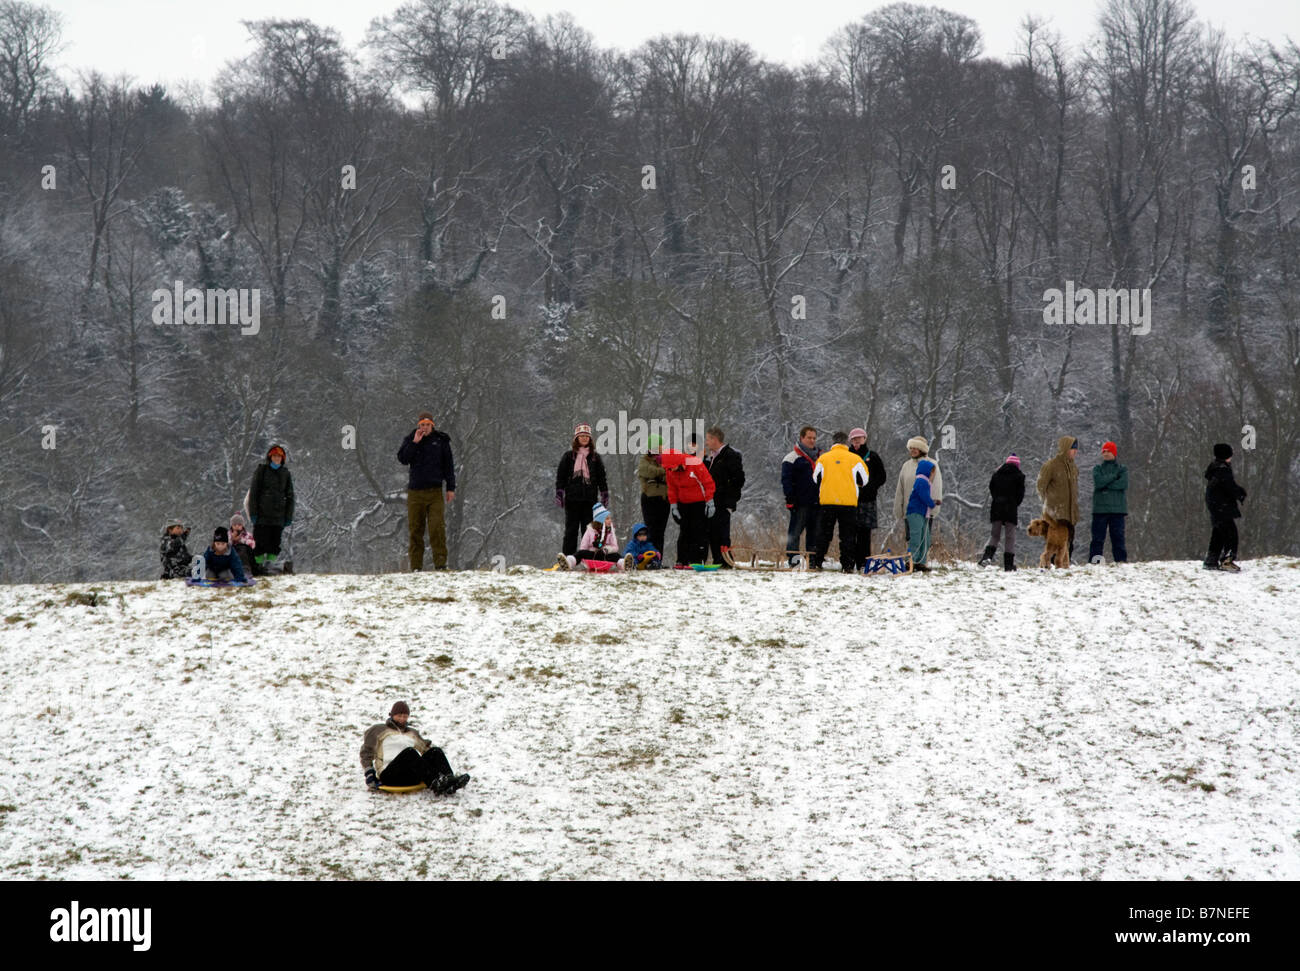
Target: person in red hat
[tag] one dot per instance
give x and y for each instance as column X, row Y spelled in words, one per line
column 1109, row 506
column 394, row 754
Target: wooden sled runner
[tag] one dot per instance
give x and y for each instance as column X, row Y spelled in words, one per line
column 776, row 560
column 752, row 558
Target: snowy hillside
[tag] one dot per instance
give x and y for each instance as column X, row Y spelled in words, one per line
column 1106, row 723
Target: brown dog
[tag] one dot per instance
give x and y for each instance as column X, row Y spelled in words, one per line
column 1058, row 539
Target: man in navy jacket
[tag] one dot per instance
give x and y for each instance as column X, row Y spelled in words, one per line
column 428, row 454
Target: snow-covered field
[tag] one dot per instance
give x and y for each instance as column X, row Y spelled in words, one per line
column 1112, row 723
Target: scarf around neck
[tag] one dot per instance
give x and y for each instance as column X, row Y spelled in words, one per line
column 580, row 462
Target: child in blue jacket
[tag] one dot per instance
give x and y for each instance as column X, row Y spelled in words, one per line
column 643, row 552
column 919, row 505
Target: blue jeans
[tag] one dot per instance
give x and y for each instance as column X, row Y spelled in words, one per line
column 802, row 518
column 1115, row 523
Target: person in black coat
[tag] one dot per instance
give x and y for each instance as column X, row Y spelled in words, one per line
column 1007, row 487
column 1221, row 497
column 876, row 477
column 728, row 470
column 427, row 452
column 270, row 507
column 579, row 484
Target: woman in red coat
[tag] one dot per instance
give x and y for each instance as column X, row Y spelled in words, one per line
column 690, row 493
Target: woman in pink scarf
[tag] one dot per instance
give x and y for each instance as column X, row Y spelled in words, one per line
column 579, row 484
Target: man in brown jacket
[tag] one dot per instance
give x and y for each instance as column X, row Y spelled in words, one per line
column 1058, row 485
column 393, row 754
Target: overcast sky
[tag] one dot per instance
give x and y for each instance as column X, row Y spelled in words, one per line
column 174, row 40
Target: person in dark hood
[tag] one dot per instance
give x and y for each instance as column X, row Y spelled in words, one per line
column 270, row 507
column 1007, row 487
column 1221, row 497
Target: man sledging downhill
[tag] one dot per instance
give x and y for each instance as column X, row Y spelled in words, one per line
column 394, row 754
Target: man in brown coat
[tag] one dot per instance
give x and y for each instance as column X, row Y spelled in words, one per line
column 1058, row 485
column 394, row 754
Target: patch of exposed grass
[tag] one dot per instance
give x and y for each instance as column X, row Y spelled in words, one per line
column 80, row 598
column 539, row 674
column 443, row 661
column 13, row 618
column 607, row 639
column 676, row 716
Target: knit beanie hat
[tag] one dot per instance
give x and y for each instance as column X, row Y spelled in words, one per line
column 858, row 433
column 655, row 443
column 219, row 535
column 599, row 513
column 399, row 708
column 1013, row 459
column 918, row 443
column 237, row 520
column 1222, row 451
column 924, row 467
column 1110, row 447
column 582, row 428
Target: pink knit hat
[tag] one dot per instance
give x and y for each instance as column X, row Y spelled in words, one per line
column 858, row 433
column 1013, row 459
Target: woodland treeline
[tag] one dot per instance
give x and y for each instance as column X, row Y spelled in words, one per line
column 679, row 231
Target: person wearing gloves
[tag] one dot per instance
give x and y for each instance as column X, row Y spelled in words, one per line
column 1109, row 506
column 727, row 467
column 427, row 452
column 579, row 484
column 394, row 754
column 840, row 475
column 690, row 493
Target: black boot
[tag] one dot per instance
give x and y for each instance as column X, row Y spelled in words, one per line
column 987, row 558
column 1008, row 562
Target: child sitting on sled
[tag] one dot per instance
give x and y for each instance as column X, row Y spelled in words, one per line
column 220, row 562
column 643, row 552
column 175, row 554
column 242, row 542
column 599, row 542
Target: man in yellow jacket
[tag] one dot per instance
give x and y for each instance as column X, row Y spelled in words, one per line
column 839, row 474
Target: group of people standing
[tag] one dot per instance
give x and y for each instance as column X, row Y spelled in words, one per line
column 700, row 490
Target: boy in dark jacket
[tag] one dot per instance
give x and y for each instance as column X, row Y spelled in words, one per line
column 1007, row 487
column 642, row 550
column 220, row 562
column 1221, row 497
column 270, row 507
column 1109, row 506
column 175, row 554
column 427, row 452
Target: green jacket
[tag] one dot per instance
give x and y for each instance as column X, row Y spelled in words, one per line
column 653, row 477
column 1110, row 488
